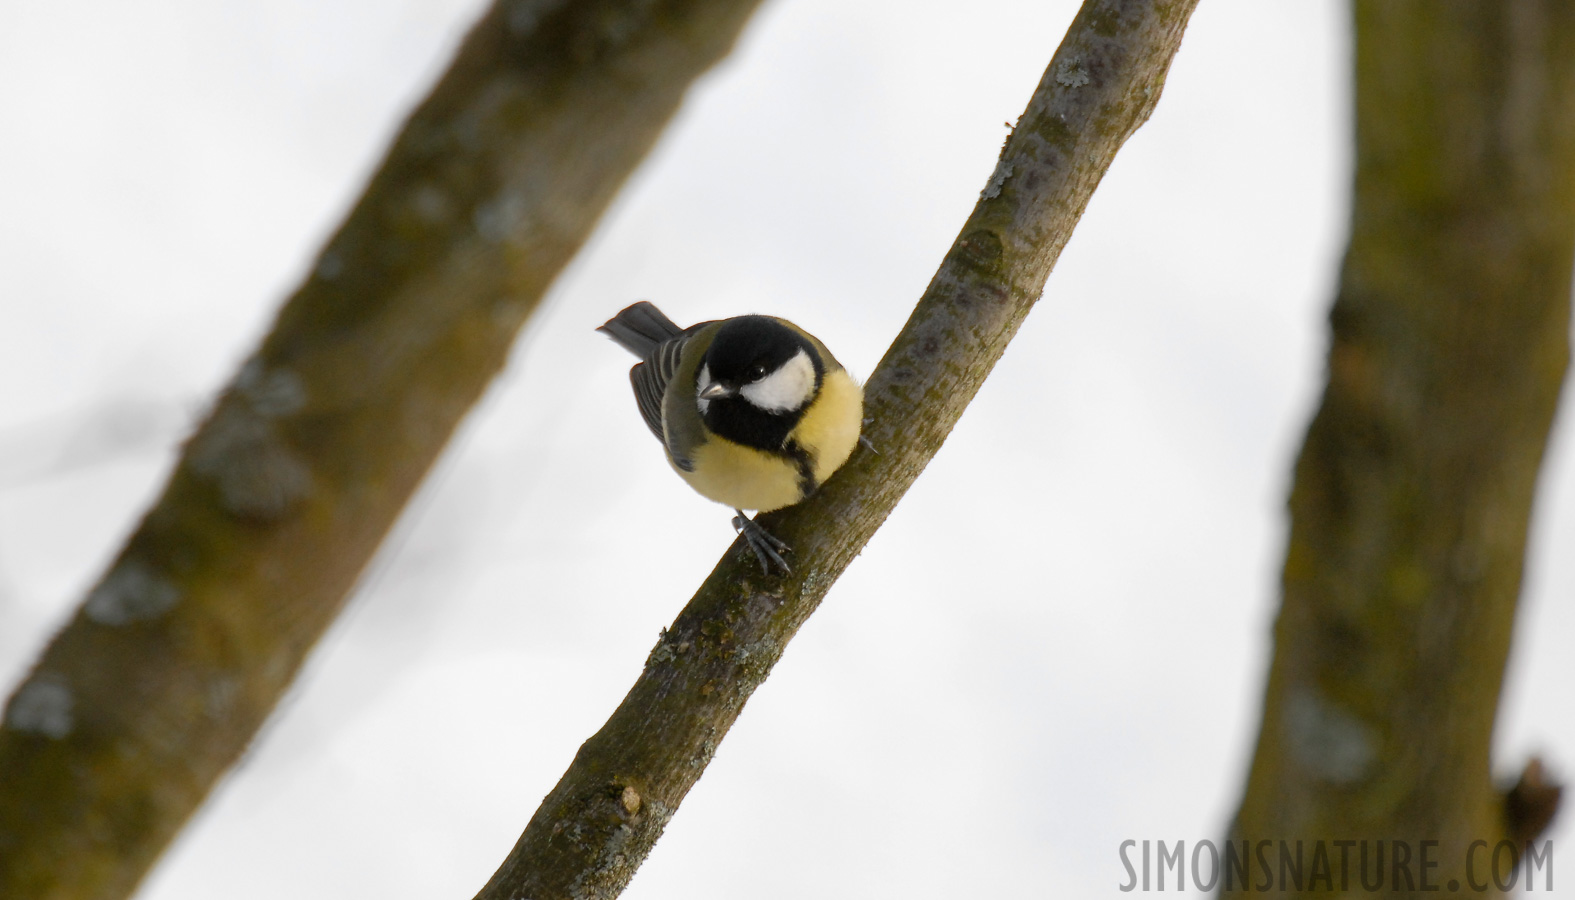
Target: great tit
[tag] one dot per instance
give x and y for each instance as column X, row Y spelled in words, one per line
column 753, row 411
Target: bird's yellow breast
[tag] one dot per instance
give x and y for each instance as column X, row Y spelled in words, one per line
column 742, row 477
column 830, row 427
column 745, row 478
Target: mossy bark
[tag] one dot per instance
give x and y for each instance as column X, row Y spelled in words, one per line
column 599, row 823
column 174, row 660
column 1414, row 488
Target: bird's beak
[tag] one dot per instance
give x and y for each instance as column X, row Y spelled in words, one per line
column 716, row 390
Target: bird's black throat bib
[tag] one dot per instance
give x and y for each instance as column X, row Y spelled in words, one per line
column 742, row 422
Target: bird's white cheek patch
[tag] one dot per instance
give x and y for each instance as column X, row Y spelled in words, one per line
column 701, row 383
column 786, row 389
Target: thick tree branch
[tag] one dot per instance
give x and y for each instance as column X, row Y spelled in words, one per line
column 178, row 655
column 1414, row 488
column 599, row 823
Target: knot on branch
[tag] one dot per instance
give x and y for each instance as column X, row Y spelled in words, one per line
column 1529, row 806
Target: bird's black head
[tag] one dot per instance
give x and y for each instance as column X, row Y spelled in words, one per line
column 756, row 380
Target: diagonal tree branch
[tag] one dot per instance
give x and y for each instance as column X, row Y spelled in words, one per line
column 177, row 656
column 599, row 823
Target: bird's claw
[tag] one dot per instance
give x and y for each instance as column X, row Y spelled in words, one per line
column 767, row 547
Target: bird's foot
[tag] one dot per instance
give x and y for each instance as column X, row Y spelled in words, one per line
column 864, row 440
column 768, row 547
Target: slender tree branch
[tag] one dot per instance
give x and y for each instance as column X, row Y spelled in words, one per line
column 177, row 656
column 1413, row 493
column 599, row 823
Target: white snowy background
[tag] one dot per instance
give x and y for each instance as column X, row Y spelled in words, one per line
column 1055, row 644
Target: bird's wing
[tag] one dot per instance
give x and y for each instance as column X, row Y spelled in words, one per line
column 650, row 380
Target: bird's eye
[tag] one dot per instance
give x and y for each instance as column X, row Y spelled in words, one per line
column 757, row 372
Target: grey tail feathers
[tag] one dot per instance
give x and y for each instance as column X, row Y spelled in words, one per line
column 640, row 328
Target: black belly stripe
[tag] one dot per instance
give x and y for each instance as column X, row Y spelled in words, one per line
column 805, row 463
